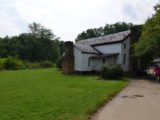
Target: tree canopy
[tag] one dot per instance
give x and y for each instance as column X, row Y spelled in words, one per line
column 149, row 43
column 106, row 30
column 37, row 45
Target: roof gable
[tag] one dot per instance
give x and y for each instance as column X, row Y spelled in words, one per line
column 86, row 49
column 87, row 45
column 105, row 39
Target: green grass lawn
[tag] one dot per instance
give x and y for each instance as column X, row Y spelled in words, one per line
column 46, row 94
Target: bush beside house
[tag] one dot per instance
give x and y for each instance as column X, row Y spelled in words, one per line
column 111, row 72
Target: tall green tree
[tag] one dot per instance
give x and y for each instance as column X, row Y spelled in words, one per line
column 3, row 51
column 149, row 43
column 9, row 46
column 40, row 41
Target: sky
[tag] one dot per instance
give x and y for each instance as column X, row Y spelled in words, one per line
column 68, row 18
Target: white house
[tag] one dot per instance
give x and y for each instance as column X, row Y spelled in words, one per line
column 91, row 54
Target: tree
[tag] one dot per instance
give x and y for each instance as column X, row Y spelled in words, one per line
column 150, row 39
column 39, row 44
column 3, row 51
column 9, row 46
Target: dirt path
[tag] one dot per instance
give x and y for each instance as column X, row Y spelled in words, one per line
column 139, row 101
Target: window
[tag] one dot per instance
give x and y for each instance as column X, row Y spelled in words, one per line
column 124, row 59
column 124, row 45
column 103, row 60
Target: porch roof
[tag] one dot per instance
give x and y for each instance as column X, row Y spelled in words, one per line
column 104, row 55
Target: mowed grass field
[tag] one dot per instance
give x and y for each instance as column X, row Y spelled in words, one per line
column 47, row 94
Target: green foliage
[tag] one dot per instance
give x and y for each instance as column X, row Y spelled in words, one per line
column 1, row 65
column 150, row 39
column 36, row 65
column 46, row 64
column 12, row 63
column 59, row 63
column 3, row 50
column 42, row 64
column 39, row 44
column 2, row 59
column 111, row 72
column 31, row 65
column 47, row 94
column 106, row 30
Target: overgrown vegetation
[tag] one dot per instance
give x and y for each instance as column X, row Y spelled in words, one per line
column 13, row 63
column 47, row 94
column 147, row 47
column 111, row 72
column 39, row 44
column 1, row 65
column 59, row 62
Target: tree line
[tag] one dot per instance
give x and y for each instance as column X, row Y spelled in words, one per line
column 39, row 44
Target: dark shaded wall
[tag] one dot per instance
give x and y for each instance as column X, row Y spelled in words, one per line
column 135, row 62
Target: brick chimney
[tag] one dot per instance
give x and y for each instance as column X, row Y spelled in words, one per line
column 68, row 59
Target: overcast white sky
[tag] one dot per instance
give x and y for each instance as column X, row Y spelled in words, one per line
column 67, row 18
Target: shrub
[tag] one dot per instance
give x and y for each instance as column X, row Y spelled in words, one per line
column 42, row 64
column 46, row 64
column 29, row 65
column 13, row 63
column 1, row 65
column 59, row 63
column 111, row 72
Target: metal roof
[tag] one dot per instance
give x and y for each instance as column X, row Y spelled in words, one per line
column 86, row 49
column 86, row 46
column 105, row 39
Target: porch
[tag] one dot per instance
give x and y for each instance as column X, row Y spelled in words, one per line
column 96, row 62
